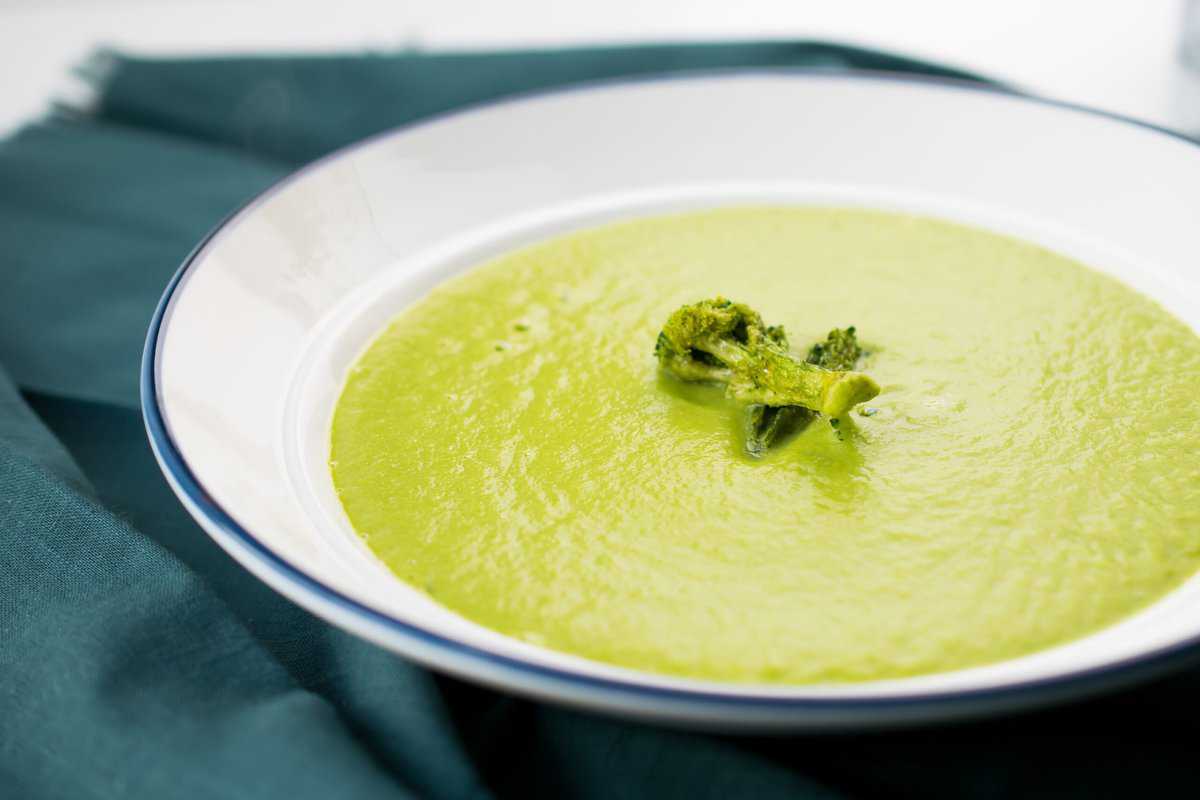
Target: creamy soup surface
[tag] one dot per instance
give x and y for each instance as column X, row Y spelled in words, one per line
column 1030, row 472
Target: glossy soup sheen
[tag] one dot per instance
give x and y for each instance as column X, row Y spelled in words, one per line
column 1031, row 473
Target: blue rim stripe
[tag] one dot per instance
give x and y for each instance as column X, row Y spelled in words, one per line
column 173, row 463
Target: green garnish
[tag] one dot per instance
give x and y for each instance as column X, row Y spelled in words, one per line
column 840, row 350
column 720, row 341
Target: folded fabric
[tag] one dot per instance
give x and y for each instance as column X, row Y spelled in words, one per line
column 137, row 660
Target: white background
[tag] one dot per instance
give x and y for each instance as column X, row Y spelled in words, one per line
column 1120, row 55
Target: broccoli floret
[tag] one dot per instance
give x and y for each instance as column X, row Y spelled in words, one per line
column 685, row 346
column 766, row 424
column 840, row 350
column 720, row 341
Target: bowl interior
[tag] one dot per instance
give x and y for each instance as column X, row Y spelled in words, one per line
column 271, row 312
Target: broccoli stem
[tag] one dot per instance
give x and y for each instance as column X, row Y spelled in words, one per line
column 778, row 379
column 766, row 424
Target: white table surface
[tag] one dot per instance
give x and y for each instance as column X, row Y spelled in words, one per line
column 1119, row 55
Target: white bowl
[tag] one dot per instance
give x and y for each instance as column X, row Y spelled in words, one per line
column 246, row 354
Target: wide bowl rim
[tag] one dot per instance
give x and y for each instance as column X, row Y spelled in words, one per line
column 408, row 638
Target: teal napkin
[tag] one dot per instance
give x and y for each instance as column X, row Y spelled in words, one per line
column 137, row 660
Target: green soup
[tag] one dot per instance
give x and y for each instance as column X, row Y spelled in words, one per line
column 1030, row 473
